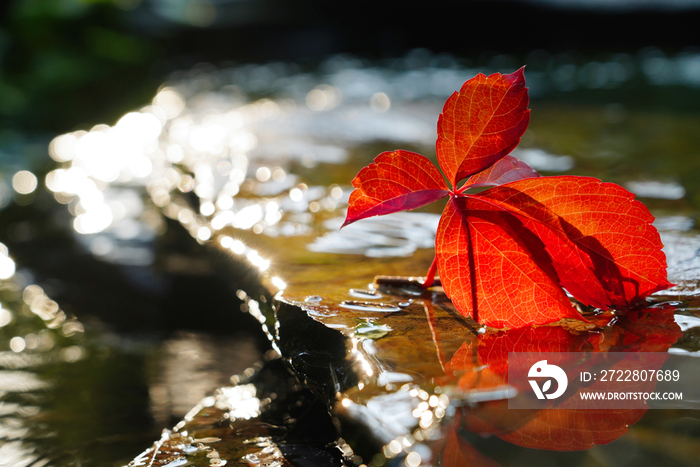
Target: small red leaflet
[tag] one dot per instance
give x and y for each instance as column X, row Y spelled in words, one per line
column 506, row 254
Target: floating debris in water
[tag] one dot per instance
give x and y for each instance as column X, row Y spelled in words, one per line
column 368, row 306
column 209, row 439
column 403, row 285
column 372, row 330
column 365, row 293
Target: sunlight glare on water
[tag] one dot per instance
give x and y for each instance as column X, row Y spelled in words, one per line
column 53, row 339
column 24, row 182
column 7, row 266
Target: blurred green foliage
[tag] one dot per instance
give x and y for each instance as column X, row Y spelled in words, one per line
column 64, row 63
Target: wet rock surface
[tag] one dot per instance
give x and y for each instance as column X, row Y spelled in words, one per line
column 267, row 419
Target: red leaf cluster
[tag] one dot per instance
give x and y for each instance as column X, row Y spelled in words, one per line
column 505, row 255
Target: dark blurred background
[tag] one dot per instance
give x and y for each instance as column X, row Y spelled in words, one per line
column 70, row 63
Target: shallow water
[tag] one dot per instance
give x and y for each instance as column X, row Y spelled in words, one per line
column 211, row 185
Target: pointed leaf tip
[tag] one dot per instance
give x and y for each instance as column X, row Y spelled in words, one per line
column 482, row 123
column 518, row 76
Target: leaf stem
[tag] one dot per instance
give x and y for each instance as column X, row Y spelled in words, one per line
column 430, row 275
column 462, row 189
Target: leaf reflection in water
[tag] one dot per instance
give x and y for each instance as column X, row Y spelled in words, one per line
column 481, row 364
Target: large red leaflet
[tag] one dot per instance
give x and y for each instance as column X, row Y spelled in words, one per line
column 396, row 181
column 601, row 241
column 481, row 123
column 495, row 270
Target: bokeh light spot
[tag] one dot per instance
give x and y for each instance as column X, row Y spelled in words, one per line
column 24, row 182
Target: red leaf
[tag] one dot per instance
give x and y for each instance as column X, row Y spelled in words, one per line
column 494, row 269
column 506, row 170
column 601, row 241
column 481, row 123
column 396, row 181
column 505, row 254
